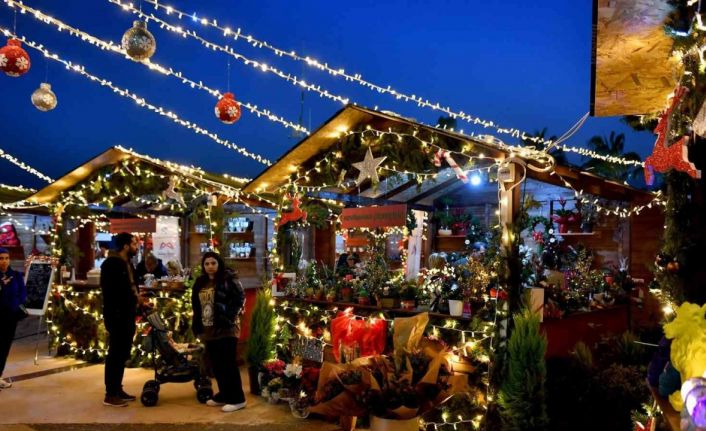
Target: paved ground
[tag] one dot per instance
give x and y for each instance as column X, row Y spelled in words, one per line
column 66, row 395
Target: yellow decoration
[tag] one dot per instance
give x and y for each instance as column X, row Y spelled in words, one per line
column 688, row 354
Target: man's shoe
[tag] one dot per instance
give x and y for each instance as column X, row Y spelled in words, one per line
column 233, row 407
column 114, row 401
column 214, row 403
column 125, row 396
column 5, row 383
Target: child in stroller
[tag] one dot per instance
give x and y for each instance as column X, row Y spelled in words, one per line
column 177, row 363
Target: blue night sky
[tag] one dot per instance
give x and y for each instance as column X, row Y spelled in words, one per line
column 522, row 64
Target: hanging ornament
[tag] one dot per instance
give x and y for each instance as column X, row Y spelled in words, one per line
column 138, row 42
column 295, row 215
column 460, row 174
column 228, row 109
column 43, row 98
column 14, row 60
column 171, row 191
column 675, row 156
column 368, row 167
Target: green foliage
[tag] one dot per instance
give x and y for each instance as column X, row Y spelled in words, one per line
column 260, row 346
column 614, row 146
column 628, row 351
column 522, row 395
column 582, row 355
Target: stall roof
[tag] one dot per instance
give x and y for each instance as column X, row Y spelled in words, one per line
column 115, row 155
column 9, row 194
column 352, row 116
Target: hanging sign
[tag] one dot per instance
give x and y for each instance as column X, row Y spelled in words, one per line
column 372, row 217
column 143, row 225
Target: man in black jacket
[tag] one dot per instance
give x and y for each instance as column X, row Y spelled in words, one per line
column 120, row 302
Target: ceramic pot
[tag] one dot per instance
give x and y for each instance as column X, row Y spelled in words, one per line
column 455, row 307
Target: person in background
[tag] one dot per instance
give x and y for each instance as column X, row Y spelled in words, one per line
column 174, row 268
column 150, row 265
column 101, row 255
column 120, row 306
column 218, row 300
column 13, row 295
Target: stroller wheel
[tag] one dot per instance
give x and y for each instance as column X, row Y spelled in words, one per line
column 151, row 384
column 204, row 394
column 202, row 382
column 149, row 397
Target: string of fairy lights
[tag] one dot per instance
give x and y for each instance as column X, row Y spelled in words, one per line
column 25, row 167
column 140, row 101
column 180, row 76
column 237, row 35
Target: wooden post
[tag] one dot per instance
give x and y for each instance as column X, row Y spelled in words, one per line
column 414, row 247
column 86, row 239
column 510, row 206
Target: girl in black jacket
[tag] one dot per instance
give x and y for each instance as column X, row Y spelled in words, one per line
column 218, row 300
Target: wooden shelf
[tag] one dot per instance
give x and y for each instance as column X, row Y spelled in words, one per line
column 577, row 234
column 240, row 258
column 247, row 232
column 450, row 236
column 373, row 308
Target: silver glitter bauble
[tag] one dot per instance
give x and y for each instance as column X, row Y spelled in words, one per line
column 43, row 98
column 138, row 42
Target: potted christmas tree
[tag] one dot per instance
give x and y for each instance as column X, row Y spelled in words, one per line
column 260, row 347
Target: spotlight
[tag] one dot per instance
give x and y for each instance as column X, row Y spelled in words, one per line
column 475, row 179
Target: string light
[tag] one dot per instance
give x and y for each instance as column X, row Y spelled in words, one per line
column 17, row 188
column 340, row 72
column 118, row 49
column 294, row 80
column 12, row 159
column 139, row 100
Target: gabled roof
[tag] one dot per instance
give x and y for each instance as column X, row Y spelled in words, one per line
column 116, row 155
column 352, row 117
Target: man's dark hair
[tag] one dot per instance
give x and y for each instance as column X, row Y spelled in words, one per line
column 121, row 240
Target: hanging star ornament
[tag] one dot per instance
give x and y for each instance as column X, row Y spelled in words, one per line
column 369, row 168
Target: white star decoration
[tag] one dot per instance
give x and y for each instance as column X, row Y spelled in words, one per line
column 368, row 168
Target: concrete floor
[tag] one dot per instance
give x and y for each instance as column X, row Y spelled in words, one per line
column 71, row 400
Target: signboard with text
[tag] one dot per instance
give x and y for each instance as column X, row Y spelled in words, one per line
column 372, row 217
column 143, row 225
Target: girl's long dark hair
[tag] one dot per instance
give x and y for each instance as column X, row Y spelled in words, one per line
column 220, row 274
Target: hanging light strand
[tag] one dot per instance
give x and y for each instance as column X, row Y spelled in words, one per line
column 118, row 49
column 142, row 102
column 25, row 167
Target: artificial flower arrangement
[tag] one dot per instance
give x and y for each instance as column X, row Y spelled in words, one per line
column 563, row 216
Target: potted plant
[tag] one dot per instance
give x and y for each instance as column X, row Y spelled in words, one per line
column 444, row 218
column 454, row 295
column 390, row 296
column 331, row 295
column 408, row 295
column 563, row 217
column 260, row 345
column 460, row 224
column 363, row 297
column 588, row 217
column 347, row 288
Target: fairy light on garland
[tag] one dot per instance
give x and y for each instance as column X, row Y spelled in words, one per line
column 17, row 188
column 118, row 49
column 25, row 167
column 139, row 100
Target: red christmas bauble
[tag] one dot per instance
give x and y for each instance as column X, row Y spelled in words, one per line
column 228, row 109
column 14, row 60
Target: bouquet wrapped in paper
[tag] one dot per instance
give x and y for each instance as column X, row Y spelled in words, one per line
column 369, row 336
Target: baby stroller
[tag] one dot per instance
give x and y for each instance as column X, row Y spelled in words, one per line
column 176, row 363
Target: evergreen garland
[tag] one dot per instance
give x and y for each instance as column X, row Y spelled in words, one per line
column 522, row 396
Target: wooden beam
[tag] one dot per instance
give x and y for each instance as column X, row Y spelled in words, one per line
column 352, row 199
column 433, row 190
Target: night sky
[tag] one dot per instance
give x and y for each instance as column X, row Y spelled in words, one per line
column 522, row 64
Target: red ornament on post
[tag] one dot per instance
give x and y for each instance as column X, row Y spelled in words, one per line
column 14, row 60
column 228, row 109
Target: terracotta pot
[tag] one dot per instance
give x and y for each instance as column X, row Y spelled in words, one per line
column 380, row 424
column 609, row 279
column 563, row 228
column 363, row 300
column 330, row 298
column 319, row 295
column 346, row 294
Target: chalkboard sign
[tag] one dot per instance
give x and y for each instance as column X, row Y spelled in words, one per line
column 38, row 281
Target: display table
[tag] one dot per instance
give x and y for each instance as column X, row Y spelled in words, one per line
column 75, row 318
column 588, row 327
